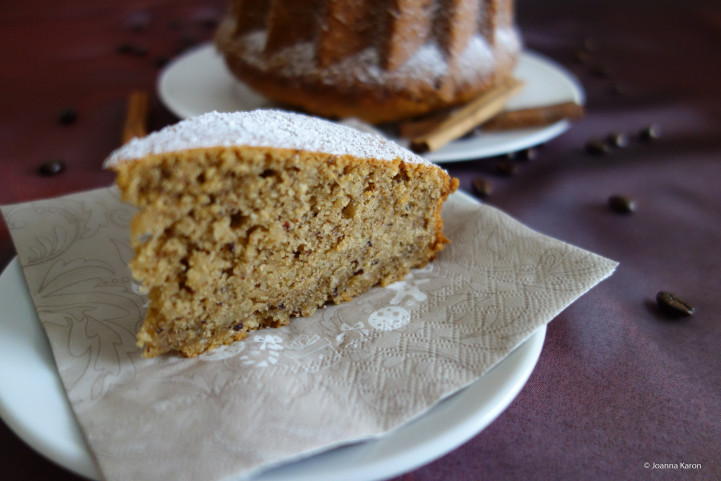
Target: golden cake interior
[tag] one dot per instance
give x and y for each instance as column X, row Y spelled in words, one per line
column 233, row 239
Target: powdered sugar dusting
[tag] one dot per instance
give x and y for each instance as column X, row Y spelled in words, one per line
column 428, row 63
column 299, row 60
column 263, row 128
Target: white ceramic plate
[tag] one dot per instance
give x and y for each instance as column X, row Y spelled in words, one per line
column 198, row 82
column 33, row 404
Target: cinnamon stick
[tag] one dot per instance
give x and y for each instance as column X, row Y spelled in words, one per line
column 410, row 129
column 534, row 117
column 466, row 118
column 136, row 117
column 507, row 120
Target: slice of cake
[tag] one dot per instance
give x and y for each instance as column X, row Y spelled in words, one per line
column 248, row 219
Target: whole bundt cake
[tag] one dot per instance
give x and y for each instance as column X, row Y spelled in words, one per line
column 376, row 60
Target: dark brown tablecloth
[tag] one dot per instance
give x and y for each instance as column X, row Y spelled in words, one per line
column 618, row 383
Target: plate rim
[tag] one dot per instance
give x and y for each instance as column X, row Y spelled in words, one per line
column 520, row 363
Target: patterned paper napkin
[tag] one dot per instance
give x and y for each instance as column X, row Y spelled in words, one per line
column 348, row 372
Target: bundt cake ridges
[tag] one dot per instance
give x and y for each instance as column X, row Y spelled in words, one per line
column 376, row 60
column 346, row 28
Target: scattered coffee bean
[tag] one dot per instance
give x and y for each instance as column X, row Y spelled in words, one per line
column 209, row 22
column 140, row 50
column 617, row 140
column 132, row 49
column 581, row 57
column 597, row 147
column 161, row 61
column 51, row 167
column 125, row 48
column 672, row 305
column 621, row 90
column 600, row 70
column 506, row 168
column 589, row 44
column 185, row 42
column 481, row 187
column 68, row 116
column 650, row 133
column 525, row 154
column 621, row 204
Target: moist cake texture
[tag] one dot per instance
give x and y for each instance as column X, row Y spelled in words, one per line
column 248, row 219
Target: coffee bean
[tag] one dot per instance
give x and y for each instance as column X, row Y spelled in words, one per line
column 597, row 147
column 621, row 204
column 132, row 49
column 650, row 133
column 599, row 70
column 185, row 42
column 161, row 61
column 140, row 50
column 481, row 187
column 506, row 168
column 621, row 90
column 525, row 154
column 209, row 22
column 125, row 48
column 68, row 116
column 51, row 167
column 618, row 140
column 589, row 44
column 672, row 305
column 581, row 57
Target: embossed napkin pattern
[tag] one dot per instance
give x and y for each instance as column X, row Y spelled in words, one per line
column 349, row 372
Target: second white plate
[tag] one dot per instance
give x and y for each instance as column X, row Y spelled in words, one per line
column 198, row 82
